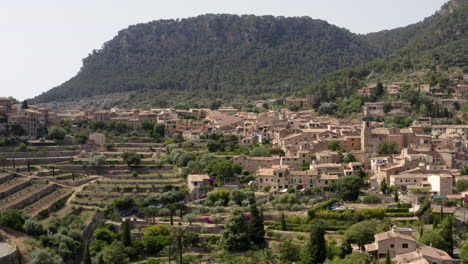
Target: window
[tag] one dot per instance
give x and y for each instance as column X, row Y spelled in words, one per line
column 404, row 245
column 392, row 245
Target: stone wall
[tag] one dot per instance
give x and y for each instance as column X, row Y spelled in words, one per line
column 12, row 256
column 15, row 189
column 31, row 199
column 42, row 154
column 7, row 178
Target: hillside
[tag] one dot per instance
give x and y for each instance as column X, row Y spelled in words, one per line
column 441, row 45
column 223, row 55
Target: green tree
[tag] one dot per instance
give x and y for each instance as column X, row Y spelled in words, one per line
column 353, row 258
column 57, row 133
column 235, row 236
column 289, row 252
column 379, row 90
column 131, row 158
column 256, row 226
column 45, row 256
column 464, row 253
column 158, row 130
column 361, row 233
column 395, row 197
column 11, row 218
column 179, row 235
column 284, row 226
column 24, row 105
column 431, row 237
column 447, row 233
column 387, row 147
column 462, row 185
column 3, row 160
column 115, row 253
column 33, row 227
column 126, row 233
column 156, row 237
column 349, row 187
column 86, row 254
column 387, row 257
column 315, row 250
column 334, row 145
column 169, row 251
column 383, row 186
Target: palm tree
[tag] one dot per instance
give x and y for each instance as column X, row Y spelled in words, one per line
column 168, row 251
column 266, row 256
column 178, row 234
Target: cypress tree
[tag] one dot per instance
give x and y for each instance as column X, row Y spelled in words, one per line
column 171, row 211
column 346, row 248
column 284, row 227
column 86, row 255
column 256, row 227
column 447, row 233
column 387, row 258
column 383, row 186
column 315, row 251
column 396, row 198
column 126, row 235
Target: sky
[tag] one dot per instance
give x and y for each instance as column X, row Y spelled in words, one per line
column 43, row 42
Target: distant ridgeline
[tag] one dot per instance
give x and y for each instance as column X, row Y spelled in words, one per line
column 245, row 57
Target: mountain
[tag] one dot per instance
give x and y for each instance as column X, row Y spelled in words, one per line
column 440, row 42
column 230, row 57
column 215, row 55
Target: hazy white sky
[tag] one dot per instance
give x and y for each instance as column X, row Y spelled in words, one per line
column 43, row 42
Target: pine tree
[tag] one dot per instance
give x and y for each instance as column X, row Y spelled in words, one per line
column 86, row 255
column 126, row 234
column 256, row 226
column 315, row 251
column 284, row 227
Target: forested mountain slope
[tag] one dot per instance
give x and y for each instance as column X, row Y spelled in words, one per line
column 443, row 44
column 224, row 54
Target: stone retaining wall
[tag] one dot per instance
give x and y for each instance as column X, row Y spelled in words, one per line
column 14, row 189
column 53, row 207
column 7, row 178
column 31, row 199
column 42, row 154
column 12, row 257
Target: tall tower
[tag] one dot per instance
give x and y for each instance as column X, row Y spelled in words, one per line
column 366, row 133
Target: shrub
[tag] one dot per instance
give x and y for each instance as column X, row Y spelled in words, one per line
column 372, row 199
column 32, row 227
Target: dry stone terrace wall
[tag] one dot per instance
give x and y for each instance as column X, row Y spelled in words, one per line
column 15, row 189
column 34, row 197
column 39, row 161
column 41, row 154
column 6, row 177
column 53, row 206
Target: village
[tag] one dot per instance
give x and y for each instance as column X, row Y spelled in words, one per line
column 380, row 190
